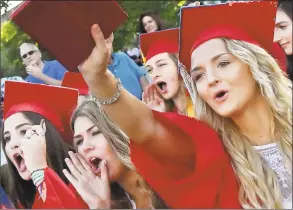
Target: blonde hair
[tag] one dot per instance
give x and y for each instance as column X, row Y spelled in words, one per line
column 119, row 142
column 259, row 187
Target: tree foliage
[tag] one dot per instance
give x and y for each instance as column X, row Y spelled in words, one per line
column 4, row 4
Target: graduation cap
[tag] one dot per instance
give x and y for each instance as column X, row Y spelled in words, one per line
column 54, row 103
column 252, row 22
column 76, row 81
column 63, row 28
column 154, row 43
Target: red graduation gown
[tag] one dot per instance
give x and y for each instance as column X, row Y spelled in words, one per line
column 59, row 195
column 211, row 182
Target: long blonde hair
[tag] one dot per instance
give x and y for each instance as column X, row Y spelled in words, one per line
column 259, row 187
column 119, row 142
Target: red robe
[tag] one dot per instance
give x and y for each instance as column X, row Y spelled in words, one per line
column 207, row 179
column 58, row 195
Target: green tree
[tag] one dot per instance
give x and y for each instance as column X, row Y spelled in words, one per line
column 4, row 4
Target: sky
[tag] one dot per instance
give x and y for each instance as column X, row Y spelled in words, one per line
column 11, row 5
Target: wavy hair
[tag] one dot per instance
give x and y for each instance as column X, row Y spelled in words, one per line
column 259, row 187
column 119, row 142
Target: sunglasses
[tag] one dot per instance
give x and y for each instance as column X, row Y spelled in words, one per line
column 29, row 53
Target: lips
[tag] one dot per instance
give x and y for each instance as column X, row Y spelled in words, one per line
column 221, row 96
column 162, row 87
column 95, row 164
column 20, row 163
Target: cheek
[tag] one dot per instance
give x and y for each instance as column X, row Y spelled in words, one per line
column 202, row 91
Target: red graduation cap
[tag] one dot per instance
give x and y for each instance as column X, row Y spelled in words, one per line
column 252, row 22
column 158, row 42
column 76, row 81
column 54, row 103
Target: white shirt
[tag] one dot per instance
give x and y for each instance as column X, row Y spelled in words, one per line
column 271, row 154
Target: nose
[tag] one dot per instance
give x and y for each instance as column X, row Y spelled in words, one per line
column 277, row 36
column 87, row 147
column 212, row 78
column 15, row 144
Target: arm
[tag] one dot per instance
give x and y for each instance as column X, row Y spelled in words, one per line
column 139, row 124
column 56, row 194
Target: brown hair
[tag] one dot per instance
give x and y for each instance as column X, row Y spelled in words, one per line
column 21, row 192
column 156, row 18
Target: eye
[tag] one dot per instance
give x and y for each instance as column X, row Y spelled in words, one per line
column 22, row 132
column 78, row 142
column 198, row 77
column 283, row 27
column 96, row 133
column 6, row 139
column 161, row 64
column 223, row 64
column 149, row 69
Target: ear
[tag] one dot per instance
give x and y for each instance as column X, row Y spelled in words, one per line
column 43, row 125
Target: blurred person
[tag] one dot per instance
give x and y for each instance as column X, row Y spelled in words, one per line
column 40, row 72
column 149, row 22
column 283, row 31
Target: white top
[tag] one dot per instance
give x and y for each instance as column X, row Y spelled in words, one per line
column 271, row 154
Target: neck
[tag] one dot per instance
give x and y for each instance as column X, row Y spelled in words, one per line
column 255, row 121
column 129, row 182
column 180, row 102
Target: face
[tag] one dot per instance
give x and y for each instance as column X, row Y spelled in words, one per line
column 149, row 24
column 32, row 56
column 15, row 128
column 94, row 147
column 222, row 80
column 283, row 31
column 163, row 72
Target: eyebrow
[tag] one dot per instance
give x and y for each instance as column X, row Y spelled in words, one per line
column 17, row 127
column 213, row 59
column 78, row 135
column 160, row 60
column 282, row 22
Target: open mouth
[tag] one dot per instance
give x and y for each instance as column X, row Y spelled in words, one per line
column 20, row 164
column 220, row 96
column 95, row 164
column 162, row 86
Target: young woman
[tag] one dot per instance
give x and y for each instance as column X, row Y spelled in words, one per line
column 243, row 94
column 181, row 159
column 35, row 126
column 283, row 31
column 149, row 22
column 97, row 141
column 161, row 53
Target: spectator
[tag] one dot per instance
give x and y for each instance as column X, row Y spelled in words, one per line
column 283, row 31
column 149, row 22
column 134, row 54
column 131, row 75
column 41, row 72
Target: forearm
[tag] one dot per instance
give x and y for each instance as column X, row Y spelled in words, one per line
column 50, row 81
column 129, row 113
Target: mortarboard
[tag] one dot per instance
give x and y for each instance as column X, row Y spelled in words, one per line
column 158, row 42
column 76, row 81
column 63, row 28
column 252, row 22
column 54, row 103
